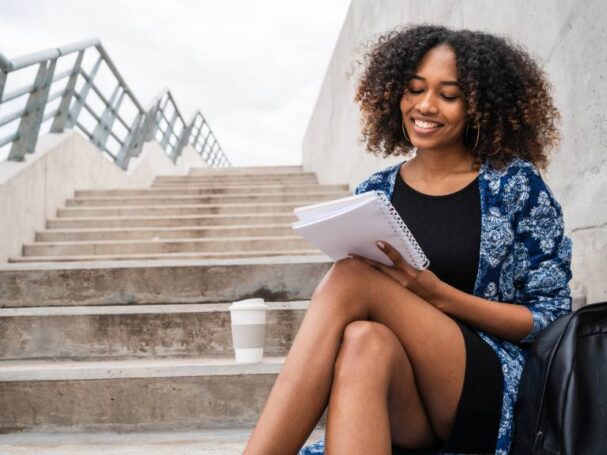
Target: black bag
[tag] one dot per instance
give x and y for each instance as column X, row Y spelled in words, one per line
column 561, row 407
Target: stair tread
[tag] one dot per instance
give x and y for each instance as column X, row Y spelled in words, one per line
column 165, row 240
column 163, row 228
column 61, row 370
column 140, row 309
column 160, row 256
column 218, row 441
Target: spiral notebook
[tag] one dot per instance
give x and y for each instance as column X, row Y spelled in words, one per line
column 354, row 224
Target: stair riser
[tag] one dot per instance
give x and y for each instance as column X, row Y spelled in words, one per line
column 134, row 404
column 249, row 170
column 195, row 210
column 170, row 221
column 167, row 332
column 243, row 189
column 166, row 246
column 233, row 181
column 108, row 283
column 164, row 256
column 50, row 236
column 217, row 199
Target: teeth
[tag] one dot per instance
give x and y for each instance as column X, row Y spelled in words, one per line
column 427, row 125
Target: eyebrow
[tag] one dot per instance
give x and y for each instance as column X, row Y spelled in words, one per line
column 416, row 76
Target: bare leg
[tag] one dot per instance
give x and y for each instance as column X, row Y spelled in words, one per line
column 373, row 391
column 354, row 291
column 301, row 391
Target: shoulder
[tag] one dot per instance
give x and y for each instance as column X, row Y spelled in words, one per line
column 517, row 170
column 515, row 187
column 380, row 180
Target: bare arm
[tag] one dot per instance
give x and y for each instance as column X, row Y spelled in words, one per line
column 505, row 320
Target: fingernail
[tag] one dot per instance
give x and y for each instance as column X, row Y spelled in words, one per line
column 381, row 244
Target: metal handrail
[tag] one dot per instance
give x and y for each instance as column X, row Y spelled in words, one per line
column 161, row 121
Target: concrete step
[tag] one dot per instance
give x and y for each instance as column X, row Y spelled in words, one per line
column 248, row 170
column 170, row 221
column 155, row 233
column 163, row 256
column 142, row 282
column 285, row 179
column 221, row 441
column 207, row 245
column 137, row 331
column 163, row 210
column 213, row 199
column 134, row 395
column 203, row 190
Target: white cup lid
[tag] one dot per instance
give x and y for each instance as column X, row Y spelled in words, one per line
column 249, row 304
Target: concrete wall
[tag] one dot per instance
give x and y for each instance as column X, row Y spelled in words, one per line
column 31, row 191
column 565, row 35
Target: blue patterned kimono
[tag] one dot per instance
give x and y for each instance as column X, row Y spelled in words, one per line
column 524, row 259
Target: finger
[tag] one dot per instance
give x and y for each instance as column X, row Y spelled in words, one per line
column 391, row 252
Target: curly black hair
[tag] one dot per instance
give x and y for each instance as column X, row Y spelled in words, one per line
column 507, row 94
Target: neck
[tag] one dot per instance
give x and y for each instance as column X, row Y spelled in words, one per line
column 431, row 162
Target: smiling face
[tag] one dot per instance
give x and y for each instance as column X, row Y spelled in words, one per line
column 433, row 107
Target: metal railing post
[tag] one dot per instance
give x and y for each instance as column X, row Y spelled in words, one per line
column 60, row 121
column 167, row 134
column 80, row 97
column 183, row 141
column 103, row 128
column 202, row 122
column 132, row 143
column 29, row 126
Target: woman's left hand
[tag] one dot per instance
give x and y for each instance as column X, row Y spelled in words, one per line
column 423, row 283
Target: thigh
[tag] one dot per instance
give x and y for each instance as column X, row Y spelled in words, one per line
column 431, row 339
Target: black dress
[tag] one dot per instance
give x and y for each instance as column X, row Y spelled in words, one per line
column 448, row 230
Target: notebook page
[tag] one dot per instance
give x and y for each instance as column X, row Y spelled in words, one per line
column 354, row 231
column 330, row 207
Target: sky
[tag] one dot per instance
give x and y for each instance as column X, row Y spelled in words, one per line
column 253, row 68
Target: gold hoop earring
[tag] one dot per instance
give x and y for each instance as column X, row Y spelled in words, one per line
column 405, row 133
column 478, row 133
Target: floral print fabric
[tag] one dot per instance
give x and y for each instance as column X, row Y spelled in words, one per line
column 524, row 259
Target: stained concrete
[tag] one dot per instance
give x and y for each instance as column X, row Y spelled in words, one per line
column 160, row 281
column 137, row 331
column 142, row 395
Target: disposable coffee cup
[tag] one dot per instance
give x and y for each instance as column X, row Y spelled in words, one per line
column 248, row 320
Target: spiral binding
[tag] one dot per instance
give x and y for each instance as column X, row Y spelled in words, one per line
column 408, row 242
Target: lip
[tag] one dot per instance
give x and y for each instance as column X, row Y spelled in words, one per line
column 425, row 131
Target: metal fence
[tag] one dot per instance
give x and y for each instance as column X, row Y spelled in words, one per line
column 78, row 86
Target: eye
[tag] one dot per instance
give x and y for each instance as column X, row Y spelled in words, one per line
column 416, row 92
column 449, row 98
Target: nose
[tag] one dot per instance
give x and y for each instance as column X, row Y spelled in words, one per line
column 427, row 103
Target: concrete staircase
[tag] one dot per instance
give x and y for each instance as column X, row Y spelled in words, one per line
column 116, row 317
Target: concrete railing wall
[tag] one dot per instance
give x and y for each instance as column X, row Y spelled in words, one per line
column 31, row 191
column 564, row 36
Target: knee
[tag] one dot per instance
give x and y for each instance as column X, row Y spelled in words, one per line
column 366, row 348
column 344, row 276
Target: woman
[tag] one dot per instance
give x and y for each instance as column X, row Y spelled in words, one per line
column 432, row 358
